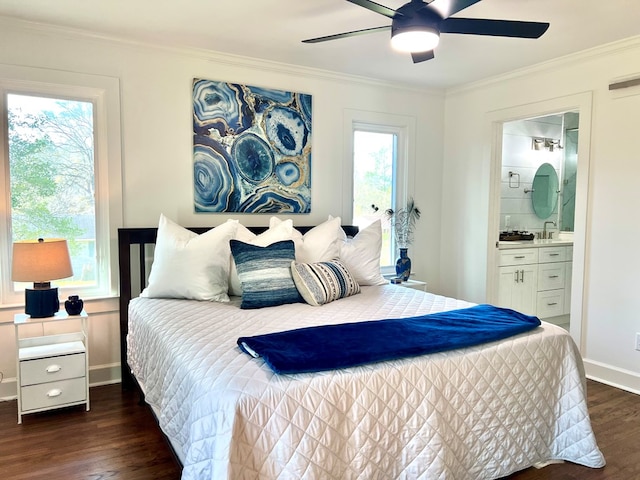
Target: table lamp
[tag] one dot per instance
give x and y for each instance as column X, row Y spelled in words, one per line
column 40, row 261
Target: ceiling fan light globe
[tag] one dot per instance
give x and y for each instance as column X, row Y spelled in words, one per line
column 414, row 41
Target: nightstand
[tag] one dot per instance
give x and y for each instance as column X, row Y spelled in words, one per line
column 415, row 284
column 52, row 370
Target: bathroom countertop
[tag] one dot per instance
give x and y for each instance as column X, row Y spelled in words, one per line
column 534, row 244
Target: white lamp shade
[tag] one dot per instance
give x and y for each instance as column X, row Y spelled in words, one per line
column 40, row 260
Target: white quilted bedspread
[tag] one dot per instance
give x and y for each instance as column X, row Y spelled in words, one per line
column 475, row 413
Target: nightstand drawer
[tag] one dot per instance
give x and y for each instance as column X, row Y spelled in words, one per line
column 52, row 369
column 52, row 394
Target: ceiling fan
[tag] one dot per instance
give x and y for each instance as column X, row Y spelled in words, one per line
column 416, row 26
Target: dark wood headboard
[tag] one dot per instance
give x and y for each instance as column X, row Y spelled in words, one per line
column 137, row 240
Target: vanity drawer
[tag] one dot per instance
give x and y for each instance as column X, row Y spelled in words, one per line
column 518, row 256
column 550, row 303
column 551, row 276
column 52, row 369
column 53, row 394
column 552, row 254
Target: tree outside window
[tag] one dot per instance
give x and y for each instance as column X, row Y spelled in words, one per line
column 52, row 181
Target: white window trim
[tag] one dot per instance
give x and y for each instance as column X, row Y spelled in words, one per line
column 405, row 129
column 104, row 93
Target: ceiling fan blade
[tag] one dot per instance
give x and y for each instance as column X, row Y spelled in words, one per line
column 495, row 28
column 422, row 56
column 375, row 7
column 446, row 8
column 347, row 34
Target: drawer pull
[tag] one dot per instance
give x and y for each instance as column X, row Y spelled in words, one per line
column 53, row 368
column 554, row 254
column 56, row 392
column 519, row 257
column 553, row 276
column 552, row 304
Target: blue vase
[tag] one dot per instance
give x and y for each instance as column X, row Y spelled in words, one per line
column 403, row 265
column 74, row 305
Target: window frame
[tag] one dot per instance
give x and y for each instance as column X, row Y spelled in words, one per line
column 404, row 127
column 104, row 94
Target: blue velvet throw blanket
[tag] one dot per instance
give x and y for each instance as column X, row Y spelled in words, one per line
column 330, row 347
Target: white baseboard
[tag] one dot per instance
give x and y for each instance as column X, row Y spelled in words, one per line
column 104, row 374
column 8, row 389
column 98, row 375
column 612, row 376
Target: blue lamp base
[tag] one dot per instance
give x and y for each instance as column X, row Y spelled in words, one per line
column 41, row 303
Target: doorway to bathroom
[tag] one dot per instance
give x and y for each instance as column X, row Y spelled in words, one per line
column 537, row 236
column 537, row 211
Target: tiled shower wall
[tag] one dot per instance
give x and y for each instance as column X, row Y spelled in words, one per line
column 519, row 158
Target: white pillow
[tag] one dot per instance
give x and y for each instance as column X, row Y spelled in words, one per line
column 282, row 231
column 320, row 244
column 188, row 265
column 361, row 254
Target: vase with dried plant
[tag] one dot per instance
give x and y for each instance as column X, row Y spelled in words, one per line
column 403, row 223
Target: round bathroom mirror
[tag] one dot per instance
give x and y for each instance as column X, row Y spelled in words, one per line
column 545, row 191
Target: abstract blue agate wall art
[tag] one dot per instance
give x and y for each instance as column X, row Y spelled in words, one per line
column 251, row 149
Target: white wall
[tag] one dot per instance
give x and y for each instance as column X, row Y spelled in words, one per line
column 155, row 87
column 611, row 301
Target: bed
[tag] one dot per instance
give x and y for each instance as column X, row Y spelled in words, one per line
column 480, row 412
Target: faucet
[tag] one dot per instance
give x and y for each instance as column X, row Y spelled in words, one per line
column 544, row 230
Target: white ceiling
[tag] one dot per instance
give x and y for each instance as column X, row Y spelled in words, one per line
column 273, row 30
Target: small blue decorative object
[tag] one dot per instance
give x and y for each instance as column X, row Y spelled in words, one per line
column 74, row 305
column 403, row 265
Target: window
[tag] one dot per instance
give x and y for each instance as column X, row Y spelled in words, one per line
column 57, row 176
column 379, row 147
column 374, row 168
column 51, row 177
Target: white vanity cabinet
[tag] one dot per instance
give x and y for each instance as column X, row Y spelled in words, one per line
column 551, row 281
column 536, row 280
column 518, row 279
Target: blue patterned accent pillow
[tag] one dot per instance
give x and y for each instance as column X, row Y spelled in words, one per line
column 323, row 282
column 265, row 273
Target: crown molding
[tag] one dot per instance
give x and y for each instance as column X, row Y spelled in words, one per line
column 563, row 61
column 211, row 56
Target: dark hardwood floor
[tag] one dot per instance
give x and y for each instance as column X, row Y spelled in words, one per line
column 119, row 439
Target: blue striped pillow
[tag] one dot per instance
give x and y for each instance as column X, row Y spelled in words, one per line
column 323, row 282
column 265, row 273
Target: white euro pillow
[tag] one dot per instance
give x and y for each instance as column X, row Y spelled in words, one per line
column 320, row 244
column 191, row 266
column 361, row 254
